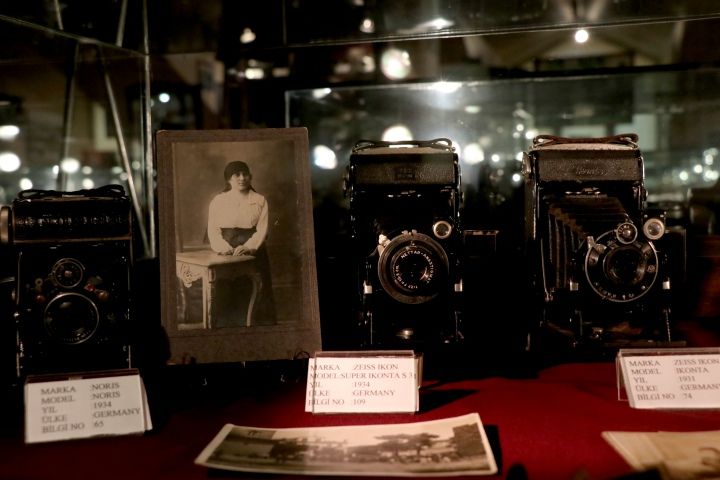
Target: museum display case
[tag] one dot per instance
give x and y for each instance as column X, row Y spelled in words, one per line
column 86, row 85
column 74, row 102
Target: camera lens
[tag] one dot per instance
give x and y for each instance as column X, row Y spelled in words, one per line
column 413, row 268
column 71, row 318
column 620, row 272
column 624, row 266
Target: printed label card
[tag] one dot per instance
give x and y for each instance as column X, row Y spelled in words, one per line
column 681, row 378
column 363, row 382
column 63, row 407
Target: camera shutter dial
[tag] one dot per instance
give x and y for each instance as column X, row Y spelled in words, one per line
column 626, row 233
column 67, row 273
column 413, row 268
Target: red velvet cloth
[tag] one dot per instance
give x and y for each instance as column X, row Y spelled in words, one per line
column 548, row 427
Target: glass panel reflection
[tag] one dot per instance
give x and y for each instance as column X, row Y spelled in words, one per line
column 491, row 123
column 367, row 20
column 64, row 104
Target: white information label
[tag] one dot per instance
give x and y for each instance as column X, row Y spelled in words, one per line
column 681, row 381
column 85, row 407
column 363, row 384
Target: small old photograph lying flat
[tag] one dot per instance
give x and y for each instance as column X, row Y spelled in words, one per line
column 447, row 447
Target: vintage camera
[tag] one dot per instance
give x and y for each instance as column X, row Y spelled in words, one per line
column 71, row 296
column 602, row 259
column 404, row 201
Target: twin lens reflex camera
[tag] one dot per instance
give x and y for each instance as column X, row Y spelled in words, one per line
column 602, row 259
column 71, row 292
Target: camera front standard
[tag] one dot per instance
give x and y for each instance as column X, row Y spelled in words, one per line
column 602, row 258
column 73, row 253
column 404, row 200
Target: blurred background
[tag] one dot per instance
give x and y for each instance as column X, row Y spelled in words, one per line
column 84, row 84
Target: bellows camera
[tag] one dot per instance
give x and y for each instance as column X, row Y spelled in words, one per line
column 73, row 252
column 404, row 200
column 602, row 258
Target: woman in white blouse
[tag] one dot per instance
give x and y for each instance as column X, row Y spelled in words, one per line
column 238, row 225
column 237, row 217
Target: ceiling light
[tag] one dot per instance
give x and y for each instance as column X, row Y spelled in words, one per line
column 581, row 36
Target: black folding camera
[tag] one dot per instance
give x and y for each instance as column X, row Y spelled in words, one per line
column 74, row 252
column 601, row 258
column 404, row 200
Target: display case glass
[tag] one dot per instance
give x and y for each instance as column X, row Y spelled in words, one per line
column 72, row 106
column 492, row 122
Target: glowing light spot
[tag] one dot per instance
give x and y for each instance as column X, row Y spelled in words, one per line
column 70, row 165
column 473, row 154
column 324, row 157
column 9, row 132
column 397, row 133
column 9, row 162
column 582, row 36
column 25, row 184
column 395, row 63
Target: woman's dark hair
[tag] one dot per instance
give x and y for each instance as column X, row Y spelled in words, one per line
column 233, row 168
column 236, row 167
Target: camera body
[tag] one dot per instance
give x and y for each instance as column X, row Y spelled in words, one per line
column 601, row 258
column 72, row 288
column 404, row 219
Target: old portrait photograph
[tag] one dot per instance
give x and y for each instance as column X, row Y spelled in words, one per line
column 236, row 244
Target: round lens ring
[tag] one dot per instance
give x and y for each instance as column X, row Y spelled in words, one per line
column 71, row 318
column 625, row 266
column 619, row 272
column 413, row 268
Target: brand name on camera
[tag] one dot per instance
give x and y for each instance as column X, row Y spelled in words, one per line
column 590, row 172
column 404, row 174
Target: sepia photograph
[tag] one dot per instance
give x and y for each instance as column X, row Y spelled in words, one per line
column 236, row 245
column 676, row 455
column 447, row 447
